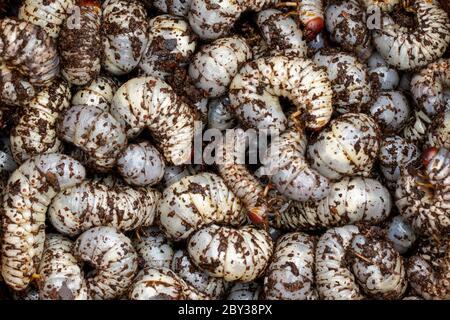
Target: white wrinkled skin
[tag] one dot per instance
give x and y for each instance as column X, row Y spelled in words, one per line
column 151, row 103
column 427, row 208
column 349, row 80
column 174, row 174
column 154, row 249
column 346, row 22
column 381, row 271
column 348, row 146
column 400, row 234
column 440, row 133
column 141, row 164
column 387, row 77
column 162, row 284
column 351, row 200
column 14, row 93
column 214, row 66
column 309, row 10
column 232, row 254
column 391, row 110
column 210, row 286
column 95, row 203
column 175, row 7
column 98, row 93
column 395, row 154
column 28, row 194
column 281, row 32
column 123, row 48
column 96, row 132
column 170, row 41
column 113, row 257
column 290, row 275
column 429, row 84
column 255, row 92
column 333, row 279
column 289, row 171
column 50, row 15
column 417, row 127
column 409, row 49
column 245, row 291
column 35, row 133
column 194, row 201
column 61, row 276
column 219, row 114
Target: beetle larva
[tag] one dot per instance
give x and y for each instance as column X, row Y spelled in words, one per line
column 154, row 249
column 98, row 93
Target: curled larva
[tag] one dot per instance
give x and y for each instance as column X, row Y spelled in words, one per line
column 49, row 15
column 15, row 90
column 214, row 66
column 349, row 79
column 210, row 286
column 171, row 45
column 154, row 249
column 35, row 133
column 400, row 234
column 351, row 200
column 96, row 132
column 348, row 146
column 148, row 102
column 98, row 93
column 245, row 291
column 290, row 274
column 95, row 203
column 28, row 194
column 440, row 131
column 61, row 278
column 112, row 256
column 162, row 284
column 195, row 201
column 80, row 46
column 124, row 34
column 387, row 78
column 232, row 254
column 219, row 114
column 255, row 91
column 141, row 164
column 391, row 111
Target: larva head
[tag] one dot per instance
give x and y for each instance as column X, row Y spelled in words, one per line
column 258, row 217
column 89, row 3
column 313, row 27
column 428, row 155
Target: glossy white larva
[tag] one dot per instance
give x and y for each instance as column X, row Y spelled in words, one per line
column 154, row 249
column 391, row 110
column 400, row 234
column 98, row 93
column 386, row 76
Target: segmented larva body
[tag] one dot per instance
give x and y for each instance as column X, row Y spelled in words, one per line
column 289, row 171
column 348, row 146
column 391, row 111
column 245, row 291
column 36, row 133
column 60, row 276
column 351, row 200
column 254, row 92
column 290, row 274
column 94, row 203
column 429, row 272
column 29, row 50
column 429, row 84
column 387, row 78
column 346, row 22
column 395, row 154
column 162, row 284
column 141, row 164
column 154, row 249
column 171, row 44
column 400, row 234
column 174, row 174
column 15, row 90
column 232, row 254
column 210, row 286
column 113, row 257
column 175, row 7
column 151, row 103
column 416, row 128
column 98, row 93
column 28, row 194
column 96, row 132
column 80, row 46
column 214, row 66
column 427, row 207
column 219, row 114
column 125, row 38
column 440, row 132
column 195, row 201
column 49, row 15
column 349, row 80
column 281, row 32
column 409, row 49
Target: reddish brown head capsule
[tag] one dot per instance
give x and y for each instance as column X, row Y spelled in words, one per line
column 257, row 217
column 429, row 154
column 313, row 27
column 89, row 3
